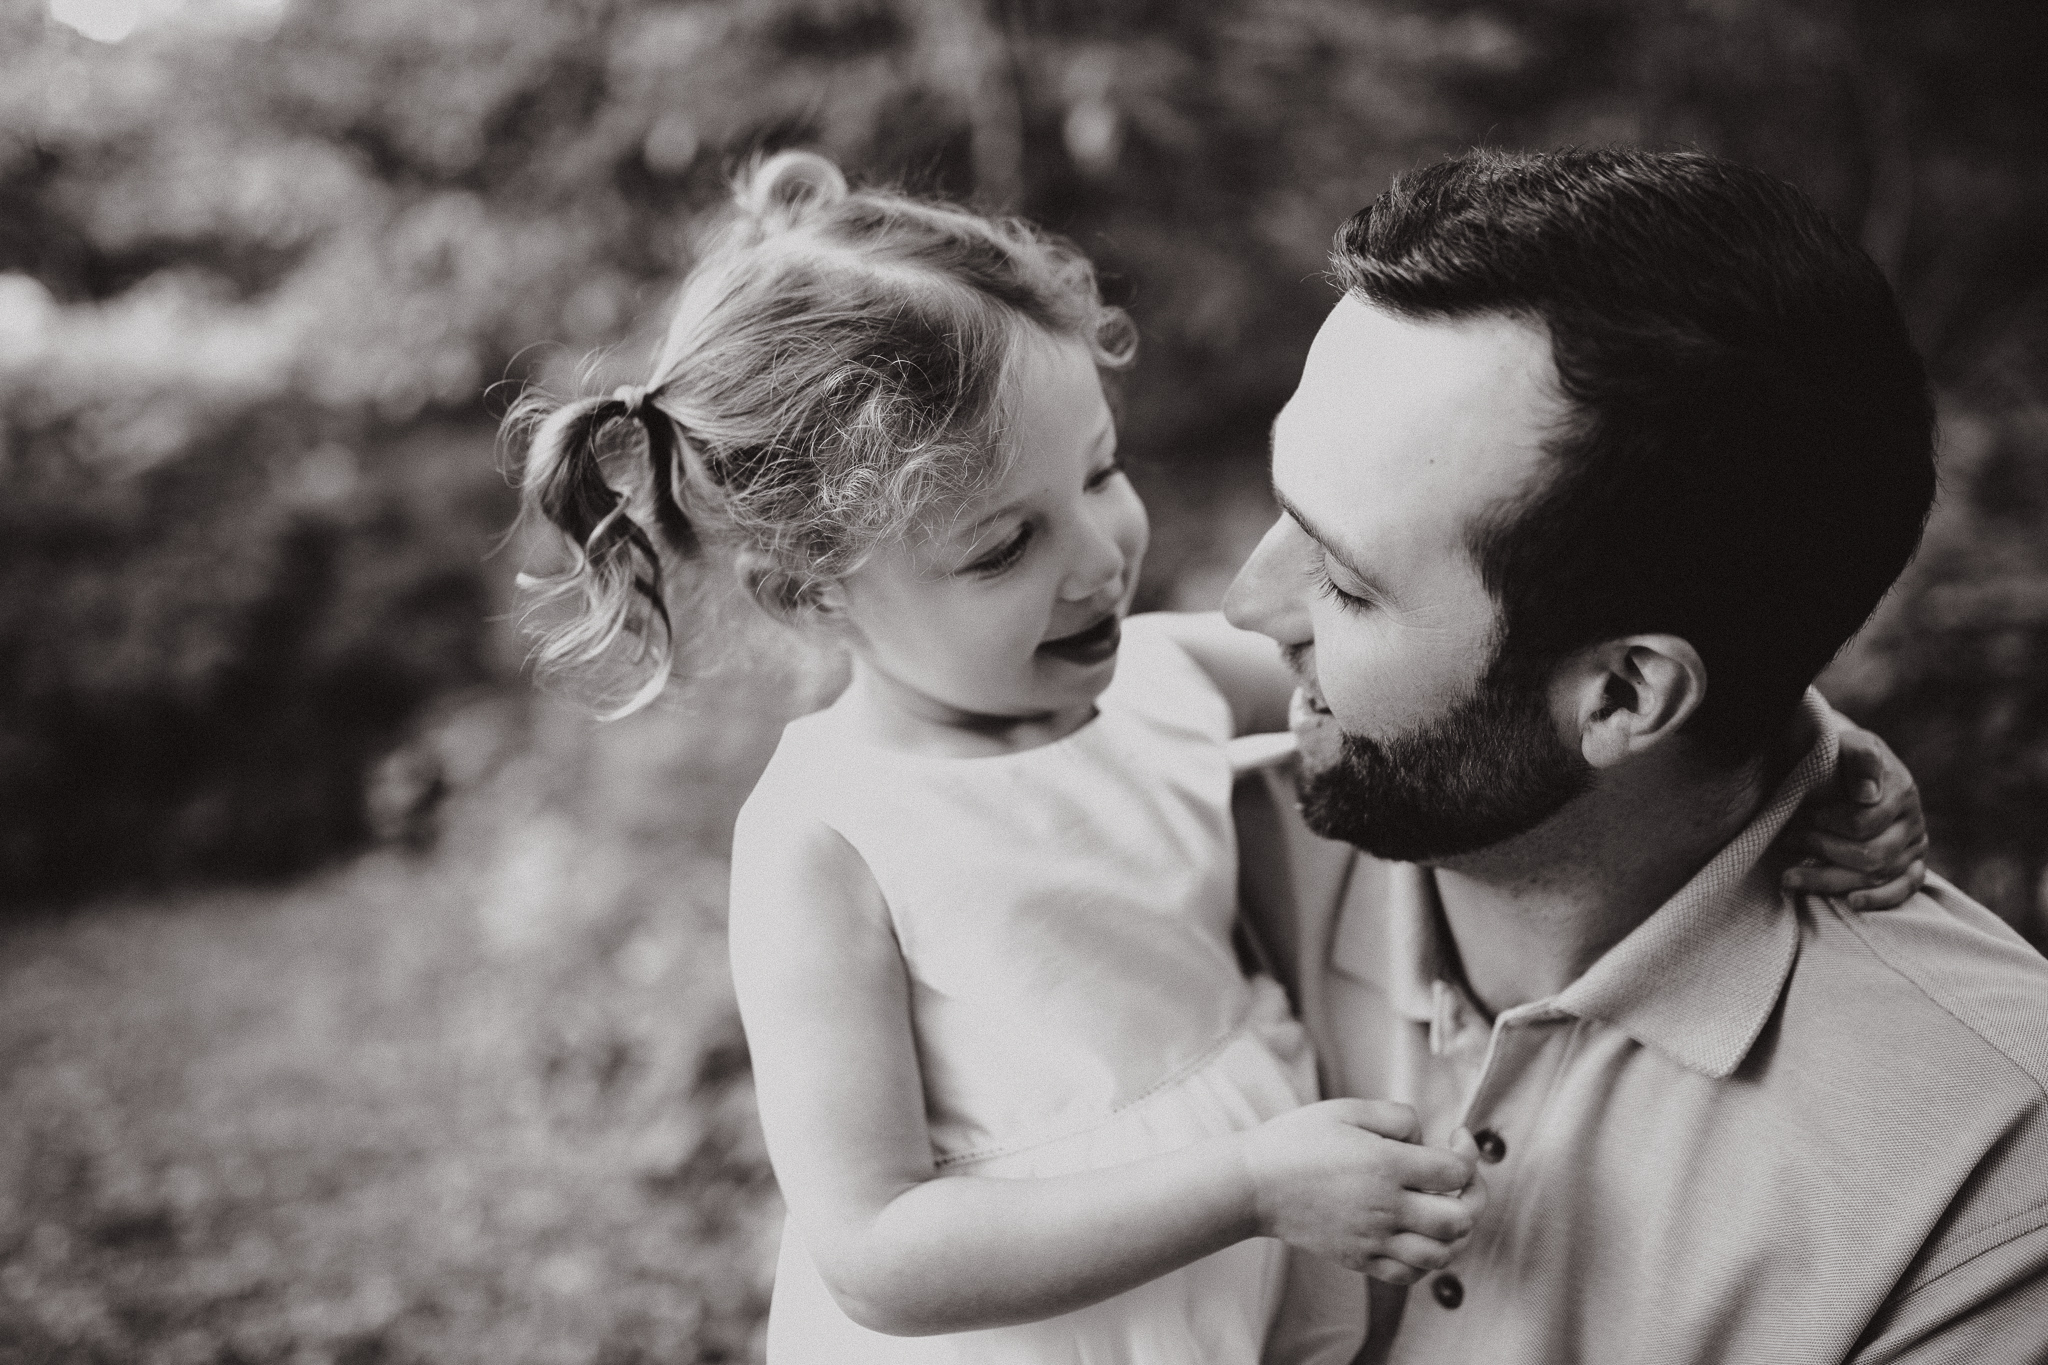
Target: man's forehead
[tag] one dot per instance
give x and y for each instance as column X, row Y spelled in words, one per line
column 1402, row 430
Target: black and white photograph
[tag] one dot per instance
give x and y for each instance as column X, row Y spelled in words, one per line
column 1023, row 682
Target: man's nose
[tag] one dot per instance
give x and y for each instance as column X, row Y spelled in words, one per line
column 1268, row 593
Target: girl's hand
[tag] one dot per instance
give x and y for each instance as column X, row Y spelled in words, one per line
column 1348, row 1180
column 1864, row 835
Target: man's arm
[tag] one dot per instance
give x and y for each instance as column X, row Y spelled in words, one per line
column 1978, row 1291
column 1988, row 1309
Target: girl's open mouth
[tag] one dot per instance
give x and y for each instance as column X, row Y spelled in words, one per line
column 1306, row 710
column 1090, row 646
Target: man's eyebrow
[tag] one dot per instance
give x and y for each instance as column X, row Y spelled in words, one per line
column 1330, row 547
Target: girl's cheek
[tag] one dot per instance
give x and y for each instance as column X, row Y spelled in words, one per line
column 1013, row 607
column 1141, row 534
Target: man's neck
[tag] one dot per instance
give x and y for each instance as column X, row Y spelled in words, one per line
column 1529, row 916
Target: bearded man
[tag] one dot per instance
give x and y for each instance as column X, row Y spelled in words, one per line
column 1599, row 460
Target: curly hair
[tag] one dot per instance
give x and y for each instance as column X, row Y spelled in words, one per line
column 833, row 375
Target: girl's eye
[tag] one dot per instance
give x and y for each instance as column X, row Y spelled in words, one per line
column 1004, row 555
column 1102, row 476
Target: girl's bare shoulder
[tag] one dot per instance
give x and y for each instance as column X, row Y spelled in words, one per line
column 789, row 865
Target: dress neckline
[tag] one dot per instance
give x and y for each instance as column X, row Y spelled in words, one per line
column 839, row 734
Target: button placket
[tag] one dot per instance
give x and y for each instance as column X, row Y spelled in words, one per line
column 1513, row 1050
column 1509, row 1095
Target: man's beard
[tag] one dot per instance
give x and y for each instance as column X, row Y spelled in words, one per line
column 1491, row 768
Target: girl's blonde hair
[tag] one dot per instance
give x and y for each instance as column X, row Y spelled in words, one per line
column 833, row 375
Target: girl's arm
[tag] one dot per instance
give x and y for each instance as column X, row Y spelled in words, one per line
column 905, row 1250
column 1245, row 666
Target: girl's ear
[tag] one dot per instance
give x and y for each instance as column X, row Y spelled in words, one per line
column 794, row 599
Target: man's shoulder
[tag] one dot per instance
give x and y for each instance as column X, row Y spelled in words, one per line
column 1917, row 1039
column 1938, row 982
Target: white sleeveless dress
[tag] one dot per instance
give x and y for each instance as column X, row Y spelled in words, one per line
column 1065, row 914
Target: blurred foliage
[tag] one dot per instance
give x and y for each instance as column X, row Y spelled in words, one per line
column 259, row 266
column 488, row 1107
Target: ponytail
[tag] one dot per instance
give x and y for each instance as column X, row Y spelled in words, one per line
column 841, row 354
column 780, row 191
column 616, row 572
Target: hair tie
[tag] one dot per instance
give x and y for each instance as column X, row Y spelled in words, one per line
column 634, row 396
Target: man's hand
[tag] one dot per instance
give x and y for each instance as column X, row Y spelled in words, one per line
column 1864, row 834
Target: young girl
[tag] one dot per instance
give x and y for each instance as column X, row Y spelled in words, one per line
column 1022, row 1099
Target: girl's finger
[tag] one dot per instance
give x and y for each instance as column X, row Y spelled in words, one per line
column 1439, row 1217
column 1871, row 789
column 1870, row 764
column 1821, row 880
column 1422, row 1253
column 1892, row 894
column 1391, row 1271
column 1825, row 881
column 1860, row 767
column 1854, row 888
column 1888, row 853
column 1861, row 822
column 1474, row 1195
column 1388, row 1118
column 1432, row 1170
column 1900, row 834
column 1816, row 873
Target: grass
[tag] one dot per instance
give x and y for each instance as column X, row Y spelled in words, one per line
column 486, row 1102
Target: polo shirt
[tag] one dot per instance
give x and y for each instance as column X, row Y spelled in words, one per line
column 1762, row 1127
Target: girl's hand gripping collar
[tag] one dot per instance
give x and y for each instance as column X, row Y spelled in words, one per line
column 1863, row 835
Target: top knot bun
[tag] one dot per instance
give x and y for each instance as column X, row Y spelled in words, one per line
column 780, row 188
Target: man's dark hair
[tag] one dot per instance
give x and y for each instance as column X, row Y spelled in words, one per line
column 1749, row 461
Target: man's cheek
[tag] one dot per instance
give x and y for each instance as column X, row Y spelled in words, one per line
column 1376, row 697
column 1357, row 690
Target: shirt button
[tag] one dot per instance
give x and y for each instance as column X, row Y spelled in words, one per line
column 1492, row 1146
column 1448, row 1291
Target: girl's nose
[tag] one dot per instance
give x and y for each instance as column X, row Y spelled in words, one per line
column 1098, row 566
column 1268, row 593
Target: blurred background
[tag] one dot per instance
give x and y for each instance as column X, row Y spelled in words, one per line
column 360, row 1005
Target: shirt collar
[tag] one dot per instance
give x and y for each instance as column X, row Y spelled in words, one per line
column 1697, row 980
column 1400, row 947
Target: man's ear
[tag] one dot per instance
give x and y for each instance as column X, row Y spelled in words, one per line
column 1631, row 694
column 792, row 598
